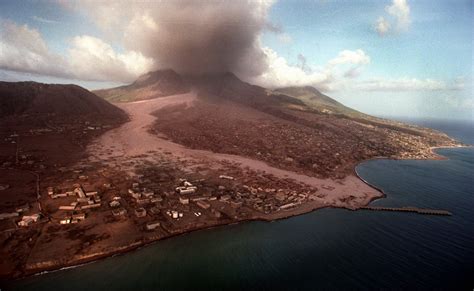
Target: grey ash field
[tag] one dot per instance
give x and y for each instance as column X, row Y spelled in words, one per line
column 175, row 154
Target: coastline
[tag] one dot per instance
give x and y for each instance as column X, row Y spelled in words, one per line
column 57, row 265
column 132, row 146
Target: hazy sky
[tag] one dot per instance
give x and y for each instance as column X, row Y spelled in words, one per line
column 384, row 57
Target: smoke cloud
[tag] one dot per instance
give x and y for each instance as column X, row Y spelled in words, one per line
column 191, row 37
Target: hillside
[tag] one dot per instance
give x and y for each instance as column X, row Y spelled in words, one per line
column 151, row 85
column 61, row 101
column 318, row 101
column 310, row 133
column 296, row 128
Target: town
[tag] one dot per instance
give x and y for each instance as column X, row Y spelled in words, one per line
column 189, row 204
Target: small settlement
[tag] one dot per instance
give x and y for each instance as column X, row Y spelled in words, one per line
column 191, row 203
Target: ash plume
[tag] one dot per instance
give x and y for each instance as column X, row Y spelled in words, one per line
column 192, row 37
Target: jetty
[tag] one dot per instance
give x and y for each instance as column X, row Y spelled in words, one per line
column 426, row 211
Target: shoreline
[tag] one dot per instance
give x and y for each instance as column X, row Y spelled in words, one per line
column 122, row 250
column 45, row 267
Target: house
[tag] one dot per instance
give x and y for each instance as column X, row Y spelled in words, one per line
column 156, row 199
column 79, row 216
column 187, row 191
column 226, row 177
column 134, row 194
column 67, row 207
column 152, row 225
column 188, row 188
column 280, row 196
column 203, row 204
column 287, row 206
column 119, row 212
column 25, row 222
column 183, row 200
column 143, row 201
column 79, row 192
column 66, row 220
column 196, row 199
column 147, row 193
column 174, row 214
column 95, row 205
column 114, row 203
column 140, row 212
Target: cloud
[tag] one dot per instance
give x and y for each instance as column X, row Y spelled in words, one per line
column 22, row 49
column 280, row 74
column 44, row 20
column 357, row 57
column 326, row 78
column 382, row 26
column 399, row 11
column 342, row 73
column 93, row 58
column 407, row 84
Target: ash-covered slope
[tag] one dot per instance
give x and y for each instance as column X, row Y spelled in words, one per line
column 307, row 132
column 62, row 101
column 226, row 86
column 151, row 85
column 318, row 101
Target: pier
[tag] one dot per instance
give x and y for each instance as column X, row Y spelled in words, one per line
column 425, row 211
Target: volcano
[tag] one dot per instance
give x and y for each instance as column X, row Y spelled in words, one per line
column 294, row 128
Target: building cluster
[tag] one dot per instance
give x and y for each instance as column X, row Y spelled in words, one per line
column 27, row 220
column 86, row 198
column 143, row 197
column 267, row 200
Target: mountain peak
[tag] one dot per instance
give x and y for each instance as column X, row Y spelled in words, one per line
column 151, row 85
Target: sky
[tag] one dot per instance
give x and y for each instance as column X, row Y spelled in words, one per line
column 393, row 58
